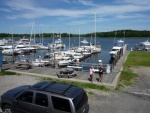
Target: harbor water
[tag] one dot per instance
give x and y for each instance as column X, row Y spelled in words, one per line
column 106, row 46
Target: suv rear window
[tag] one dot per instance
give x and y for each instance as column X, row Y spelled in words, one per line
column 61, row 104
column 80, row 100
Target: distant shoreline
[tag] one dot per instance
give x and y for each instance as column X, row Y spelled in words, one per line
column 109, row 34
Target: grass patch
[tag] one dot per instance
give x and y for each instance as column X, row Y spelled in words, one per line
column 119, row 87
column 90, row 92
column 83, row 85
column 7, row 73
column 126, row 78
column 137, row 58
column 127, row 83
column 127, row 74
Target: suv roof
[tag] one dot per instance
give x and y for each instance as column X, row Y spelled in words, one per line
column 67, row 90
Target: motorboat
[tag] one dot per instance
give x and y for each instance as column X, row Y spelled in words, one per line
column 114, row 51
column 42, row 47
column 9, row 50
column 25, row 48
column 118, row 45
column 57, row 44
column 23, row 41
column 145, row 45
column 84, row 41
column 39, row 62
column 95, row 49
column 64, row 62
column 86, row 53
column 77, row 56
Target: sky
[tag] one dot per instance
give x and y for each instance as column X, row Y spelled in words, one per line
column 73, row 16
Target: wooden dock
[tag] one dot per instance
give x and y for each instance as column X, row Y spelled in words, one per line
column 51, row 71
column 108, row 79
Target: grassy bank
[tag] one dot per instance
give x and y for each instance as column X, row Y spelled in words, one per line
column 83, row 85
column 135, row 58
column 7, row 73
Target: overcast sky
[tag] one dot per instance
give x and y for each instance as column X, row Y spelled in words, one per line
column 72, row 16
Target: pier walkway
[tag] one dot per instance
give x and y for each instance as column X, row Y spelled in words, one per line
column 109, row 80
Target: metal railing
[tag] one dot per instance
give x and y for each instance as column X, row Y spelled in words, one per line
column 107, row 68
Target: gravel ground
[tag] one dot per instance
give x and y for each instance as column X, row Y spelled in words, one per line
column 9, row 82
column 133, row 99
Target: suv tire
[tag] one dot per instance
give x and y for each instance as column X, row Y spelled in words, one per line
column 8, row 109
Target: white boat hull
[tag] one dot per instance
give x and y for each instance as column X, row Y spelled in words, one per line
column 39, row 63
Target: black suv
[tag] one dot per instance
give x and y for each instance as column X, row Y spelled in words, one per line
column 45, row 97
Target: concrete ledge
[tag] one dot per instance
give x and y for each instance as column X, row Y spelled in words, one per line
column 117, row 78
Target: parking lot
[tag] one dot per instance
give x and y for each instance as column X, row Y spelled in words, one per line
column 135, row 99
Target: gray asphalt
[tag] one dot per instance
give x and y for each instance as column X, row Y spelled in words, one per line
column 132, row 99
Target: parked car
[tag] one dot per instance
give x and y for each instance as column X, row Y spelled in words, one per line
column 45, row 97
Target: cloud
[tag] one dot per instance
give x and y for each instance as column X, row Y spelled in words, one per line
column 30, row 9
column 130, row 16
column 139, row 2
column 77, row 22
column 87, row 2
column 82, row 2
column 5, row 10
column 67, row 1
column 20, row 5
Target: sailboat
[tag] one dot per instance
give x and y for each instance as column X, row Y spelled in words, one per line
column 41, row 46
column 57, row 44
column 95, row 48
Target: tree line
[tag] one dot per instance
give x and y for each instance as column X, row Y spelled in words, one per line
column 117, row 33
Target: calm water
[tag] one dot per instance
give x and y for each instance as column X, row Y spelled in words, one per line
column 106, row 45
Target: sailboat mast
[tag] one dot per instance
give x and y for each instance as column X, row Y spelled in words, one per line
column 53, row 34
column 12, row 45
column 12, row 33
column 69, row 40
column 115, row 38
column 31, row 31
column 79, row 37
column 95, row 29
column 124, row 35
column 42, row 36
column 34, row 34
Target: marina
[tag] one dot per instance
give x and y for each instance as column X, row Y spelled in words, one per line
column 106, row 46
column 75, row 56
column 43, row 68
column 109, row 79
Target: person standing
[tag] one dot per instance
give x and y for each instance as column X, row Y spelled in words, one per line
column 91, row 73
column 100, row 74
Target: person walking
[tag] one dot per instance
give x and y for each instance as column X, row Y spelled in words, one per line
column 91, row 73
column 100, row 74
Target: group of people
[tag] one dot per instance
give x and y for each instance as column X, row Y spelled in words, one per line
column 100, row 73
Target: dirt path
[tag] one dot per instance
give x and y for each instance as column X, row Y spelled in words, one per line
column 142, row 83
